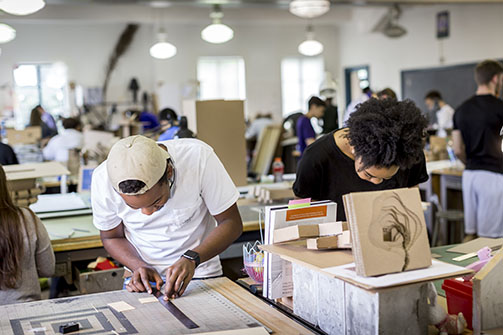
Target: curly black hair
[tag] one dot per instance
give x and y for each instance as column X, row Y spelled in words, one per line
column 387, row 133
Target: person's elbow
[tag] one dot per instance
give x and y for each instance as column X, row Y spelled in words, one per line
column 46, row 267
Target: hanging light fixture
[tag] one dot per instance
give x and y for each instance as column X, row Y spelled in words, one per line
column 21, row 7
column 162, row 49
column 7, row 33
column 309, row 9
column 217, row 32
column 310, row 47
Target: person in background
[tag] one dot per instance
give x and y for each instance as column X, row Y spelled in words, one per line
column 381, row 149
column 168, row 119
column 71, row 138
column 253, row 132
column 7, row 155
column 443, row 114
column 25, row 250
column 257, row 125
column 331, row 114
column 477, row 136
column 386, row 93
column 305, row 131
column 39, row 117
column 366, row 94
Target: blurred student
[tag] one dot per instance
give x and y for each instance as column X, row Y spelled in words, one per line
column 443, row 112
column 39, row 117
column 477, row 133
column 386, row 93
column 256, row 126
column 169, row 121
column 71, row 138
column 7, row 155
column 305, row 131
column 366, row 94
column 25, row 250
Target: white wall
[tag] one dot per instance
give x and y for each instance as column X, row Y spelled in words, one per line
column 475, row 35
column 85, row 49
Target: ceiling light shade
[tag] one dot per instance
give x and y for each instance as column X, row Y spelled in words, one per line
column 7, row 33
column 310, row 47
column 217, row 32
column 309, row 9
column 21, row 7
column 162, row 49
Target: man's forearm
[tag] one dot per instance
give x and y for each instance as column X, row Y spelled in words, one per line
column 219, row 239
column 121, row 250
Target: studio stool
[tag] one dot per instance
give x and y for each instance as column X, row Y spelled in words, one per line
column 457, row 217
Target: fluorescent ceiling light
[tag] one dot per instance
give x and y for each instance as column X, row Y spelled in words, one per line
column 309, row 9
column 217, row 32
column 162, row 49
column 21, row 7
column 7, row 33
column 310, row 47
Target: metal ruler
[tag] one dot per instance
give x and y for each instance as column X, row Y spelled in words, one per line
column 177, row 313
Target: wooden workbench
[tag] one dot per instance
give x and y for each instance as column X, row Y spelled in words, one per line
column 88, row 309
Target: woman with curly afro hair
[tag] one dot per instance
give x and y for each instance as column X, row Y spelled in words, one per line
column 381, row 148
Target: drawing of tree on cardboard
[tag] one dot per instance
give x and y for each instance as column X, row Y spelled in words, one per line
column 394, row 227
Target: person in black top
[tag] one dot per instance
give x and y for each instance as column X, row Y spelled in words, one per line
column 382, row 148
column 477, row 138
column 7, row 155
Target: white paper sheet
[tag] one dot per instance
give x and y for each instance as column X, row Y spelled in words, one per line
column 58, row 202
column 436, row 269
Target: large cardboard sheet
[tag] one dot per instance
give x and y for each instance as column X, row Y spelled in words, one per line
column 388, row 231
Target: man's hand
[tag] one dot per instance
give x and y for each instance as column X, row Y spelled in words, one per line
column 178, row 277
column 140, row 280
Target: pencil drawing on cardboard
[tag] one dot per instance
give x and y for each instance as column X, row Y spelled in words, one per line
column 394, row 227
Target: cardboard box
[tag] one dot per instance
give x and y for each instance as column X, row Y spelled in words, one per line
column 221, row 124
column 29, row 135
column 23, row 176
column 296, row 232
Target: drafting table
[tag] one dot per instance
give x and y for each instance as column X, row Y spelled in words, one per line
column 209, row 305
column 74, row 237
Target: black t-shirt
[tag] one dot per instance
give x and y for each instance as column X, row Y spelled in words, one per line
column 480, row 120
column 326, row 173
column 7, row 155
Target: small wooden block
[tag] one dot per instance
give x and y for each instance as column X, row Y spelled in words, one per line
column 326, row 242
column 295, row 232
column 344, row 240
column 121, row 306
column 332, row 228
column 148, row 300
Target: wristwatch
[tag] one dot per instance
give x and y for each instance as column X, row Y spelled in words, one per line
column 193, row 256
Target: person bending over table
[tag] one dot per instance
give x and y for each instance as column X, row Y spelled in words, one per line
column 382, row 148
column 165, row 211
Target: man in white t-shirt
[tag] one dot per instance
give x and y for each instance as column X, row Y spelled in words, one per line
column 165, row 210
column 443, row 115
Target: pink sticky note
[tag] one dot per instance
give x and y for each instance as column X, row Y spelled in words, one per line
column 299, row 201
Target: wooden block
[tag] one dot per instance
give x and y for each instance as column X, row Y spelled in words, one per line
column 325, row 242
column 332, row 228
column 295, row 232
column 344, row 240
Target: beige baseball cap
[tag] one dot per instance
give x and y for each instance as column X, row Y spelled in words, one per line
column 136, row 158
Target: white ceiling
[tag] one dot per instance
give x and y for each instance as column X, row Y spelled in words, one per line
column 197, row 11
